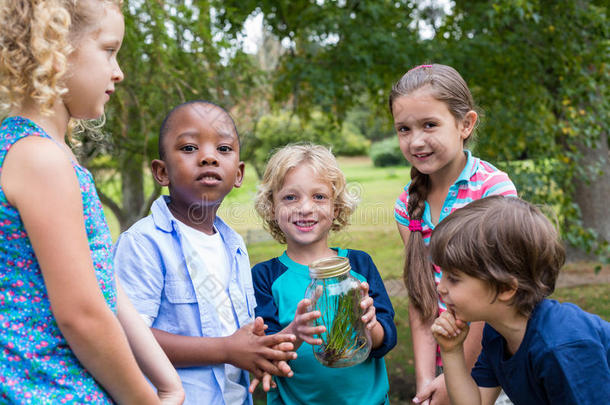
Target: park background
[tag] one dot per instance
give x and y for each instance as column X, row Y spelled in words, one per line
column 321, row 71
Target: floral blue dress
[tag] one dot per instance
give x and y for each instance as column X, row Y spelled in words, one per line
column 36, row 363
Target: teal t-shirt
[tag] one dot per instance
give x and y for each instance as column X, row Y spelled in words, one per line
column 312, row 383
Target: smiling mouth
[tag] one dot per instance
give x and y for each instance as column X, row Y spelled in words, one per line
column 305, row 225
column 422, row 155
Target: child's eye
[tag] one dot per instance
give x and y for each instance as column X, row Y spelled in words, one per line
column 188, row 148
column 289, row 197
column 319, row 197
column 451, row 278
column 225, row 148
column 402, row 129
column 110, row 51
column 429, row 125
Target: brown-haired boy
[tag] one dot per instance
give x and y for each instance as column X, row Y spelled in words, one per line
column 500, row 258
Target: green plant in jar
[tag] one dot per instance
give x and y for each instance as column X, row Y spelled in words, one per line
column 337, row 295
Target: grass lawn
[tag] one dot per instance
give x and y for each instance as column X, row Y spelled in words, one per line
column 373, row 230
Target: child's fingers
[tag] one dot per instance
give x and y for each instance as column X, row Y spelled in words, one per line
column 310, row 331
column 276, row 339
column 423, row 395
column 308, row 317
column 254, row 383
column 438, row 330
column 271, row 354
column 366, row 302
column 448, row 325
column 285, row 368
column 303, row 306
column 284, row 346
column 268, row 382
column 271, row 368
column 364, row 286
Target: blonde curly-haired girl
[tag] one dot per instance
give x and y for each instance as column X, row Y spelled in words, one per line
column 68, row 332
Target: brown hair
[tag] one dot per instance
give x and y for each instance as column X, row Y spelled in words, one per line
column 445, row 84
column 501, row 240
column 323, row 163
column 36, row 37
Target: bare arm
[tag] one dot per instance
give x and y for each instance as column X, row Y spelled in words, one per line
column 244, row 349
column 461, row 386
column 149, row 355
column 39, row 180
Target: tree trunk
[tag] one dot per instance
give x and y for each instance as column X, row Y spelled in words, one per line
column 592, row 194
column 132, row 186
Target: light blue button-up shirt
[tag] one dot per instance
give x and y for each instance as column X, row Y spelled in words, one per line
column 172, row 287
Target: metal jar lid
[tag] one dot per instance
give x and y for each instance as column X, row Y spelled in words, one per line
column 329, row 267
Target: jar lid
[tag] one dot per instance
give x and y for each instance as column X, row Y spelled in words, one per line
column 329, row 267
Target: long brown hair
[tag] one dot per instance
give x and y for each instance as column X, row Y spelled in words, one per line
column 445, row 84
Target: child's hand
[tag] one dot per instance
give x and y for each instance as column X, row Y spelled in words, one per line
column 301, row 324
column 249, row 350
column 267, row 380
column 433, row 393
column 369, row 318
column 449, row 332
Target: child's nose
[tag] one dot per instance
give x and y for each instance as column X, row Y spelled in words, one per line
column 208, row 157
column 417, row 139
column 440, row 288
column 306, row 205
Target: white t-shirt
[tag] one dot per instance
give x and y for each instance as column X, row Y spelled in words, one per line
column 211, row 251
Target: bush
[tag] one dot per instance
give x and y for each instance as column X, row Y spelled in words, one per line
column 352, row 142
column 387, row 153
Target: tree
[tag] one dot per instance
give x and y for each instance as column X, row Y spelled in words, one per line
column 171, row 53
column 540, row 69
column 335, row 50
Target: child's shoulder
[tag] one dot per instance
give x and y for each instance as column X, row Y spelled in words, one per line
column 355, row 254
column 362, row 263
column 559, row 324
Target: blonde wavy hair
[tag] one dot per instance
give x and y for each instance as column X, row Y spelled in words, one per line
column 324, row 165
column 36, row 37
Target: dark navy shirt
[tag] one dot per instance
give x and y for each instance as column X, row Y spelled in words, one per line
column 564, row 358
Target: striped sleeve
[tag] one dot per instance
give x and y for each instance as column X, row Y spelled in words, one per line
column 400, row 209
column 497, row 182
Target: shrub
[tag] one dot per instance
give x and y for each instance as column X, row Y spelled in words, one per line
column 387, row 153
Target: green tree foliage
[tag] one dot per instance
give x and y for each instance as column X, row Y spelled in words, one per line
column 171, row 53
column 540, row 71
column 276, row 130
column 336, row 50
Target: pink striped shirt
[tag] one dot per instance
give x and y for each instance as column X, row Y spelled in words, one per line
column 479, row 179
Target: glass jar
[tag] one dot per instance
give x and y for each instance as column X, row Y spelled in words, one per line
column 336, row 294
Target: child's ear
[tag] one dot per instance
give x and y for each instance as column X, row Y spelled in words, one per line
column 239, row 177
column 509, row 292
column 159, row 172
column 468, row 123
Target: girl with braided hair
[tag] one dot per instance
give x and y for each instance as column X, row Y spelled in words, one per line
column 434, row 117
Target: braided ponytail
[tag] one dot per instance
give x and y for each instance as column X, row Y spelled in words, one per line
column 418, row 273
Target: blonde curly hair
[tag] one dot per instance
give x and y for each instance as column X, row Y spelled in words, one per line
column 36, row 37
column 323, row 163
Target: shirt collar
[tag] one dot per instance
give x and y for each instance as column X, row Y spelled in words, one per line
column 165, row 221
column 288, row 262
column 469, row 170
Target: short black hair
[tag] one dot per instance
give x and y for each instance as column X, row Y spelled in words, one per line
column 166, row 124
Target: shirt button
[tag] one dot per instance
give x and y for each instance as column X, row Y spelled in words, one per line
column 446, row 209
column 453, row 193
